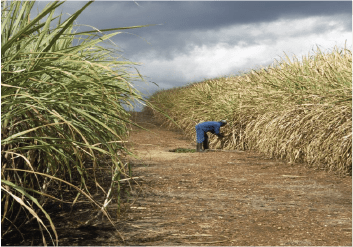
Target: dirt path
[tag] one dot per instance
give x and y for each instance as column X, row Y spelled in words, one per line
column 216, row 198
column 231, row 198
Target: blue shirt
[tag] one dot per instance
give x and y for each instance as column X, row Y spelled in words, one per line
column 210, row 126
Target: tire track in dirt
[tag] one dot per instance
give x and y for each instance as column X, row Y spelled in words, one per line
column 230, row 198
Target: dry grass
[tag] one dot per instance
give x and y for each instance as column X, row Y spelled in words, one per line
column 297, row 110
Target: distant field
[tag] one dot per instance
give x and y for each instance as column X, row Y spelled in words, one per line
column 299, row 110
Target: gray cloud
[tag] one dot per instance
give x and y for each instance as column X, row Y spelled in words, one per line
column 182, row 22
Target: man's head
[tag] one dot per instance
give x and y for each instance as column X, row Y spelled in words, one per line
column 223, row 122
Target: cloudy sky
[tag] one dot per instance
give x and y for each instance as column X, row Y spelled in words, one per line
column 196, row 40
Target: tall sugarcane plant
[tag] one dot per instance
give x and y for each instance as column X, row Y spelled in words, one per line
column 61, row 105
column 299, row 110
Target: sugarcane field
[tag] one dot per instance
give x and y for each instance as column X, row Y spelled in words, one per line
column 261, row 158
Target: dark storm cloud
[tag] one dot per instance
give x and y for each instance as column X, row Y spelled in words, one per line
column 182, row 23
column 203, row 15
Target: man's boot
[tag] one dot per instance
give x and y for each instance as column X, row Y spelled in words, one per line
column 199, row 147
column 205, row 145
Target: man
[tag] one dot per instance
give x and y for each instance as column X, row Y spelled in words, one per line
column 203, row 128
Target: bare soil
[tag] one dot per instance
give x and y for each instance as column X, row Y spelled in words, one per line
column 219, row 198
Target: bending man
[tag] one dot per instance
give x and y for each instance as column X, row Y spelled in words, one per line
column 203, row 128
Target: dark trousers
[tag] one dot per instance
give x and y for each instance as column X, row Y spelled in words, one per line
column 205, row 142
